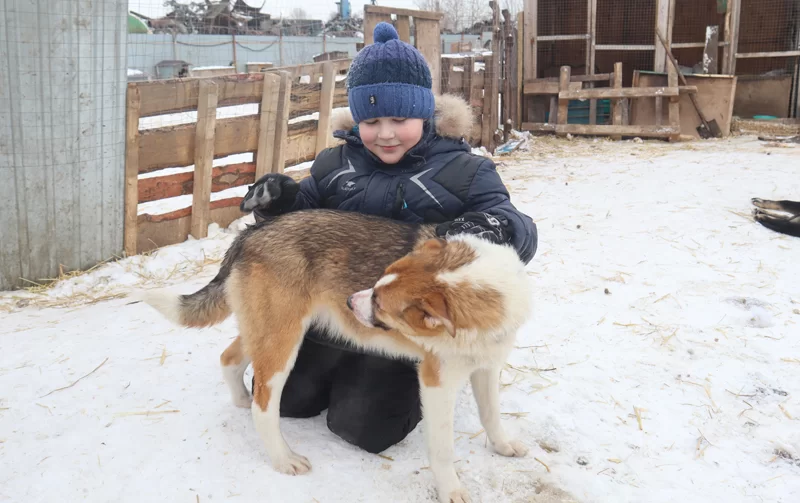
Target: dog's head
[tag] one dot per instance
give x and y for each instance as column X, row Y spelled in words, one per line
column 439, row 288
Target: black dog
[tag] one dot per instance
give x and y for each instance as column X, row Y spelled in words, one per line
column 785, row 221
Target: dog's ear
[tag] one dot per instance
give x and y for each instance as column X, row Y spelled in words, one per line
column 437, row 313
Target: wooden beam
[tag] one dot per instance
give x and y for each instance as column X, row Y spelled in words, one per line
column 416, row 14
column 711, row 50
column 403, row 27
column 662, row 22
column 617, row 131
column 773, row 54
column 529, row 42
column 325, row 107
column 733, row 40
column 268, row 117
column 591, row 28
column 487, row 128
column 674, row 104
column 726, row 35
column 371, row 20
column 538, row 127
column 203, row 158
column 172, row 96
column 561, row 38
column 563, row 104
column 281, row 130
column 617, row 103
column 429, row 42
column 130, row 231
column 520, row 62
column 548, row 87
column 616, row 93
column 174, row 146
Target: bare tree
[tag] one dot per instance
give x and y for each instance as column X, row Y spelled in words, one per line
column 298, row 13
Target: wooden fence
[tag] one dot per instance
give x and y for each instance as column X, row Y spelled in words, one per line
column 467, row 76
column 269, row 135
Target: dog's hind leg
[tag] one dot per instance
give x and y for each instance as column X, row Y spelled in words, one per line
column 274, row 351
column 486, row 388
column 787, row 206
column 234, row 362
column 439, row 386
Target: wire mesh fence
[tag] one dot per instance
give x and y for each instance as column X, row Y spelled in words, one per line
column 768, row 26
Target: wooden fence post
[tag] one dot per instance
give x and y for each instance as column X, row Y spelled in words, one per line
column 203, row 157
column 663, row 8
column 487, row 131
column 282, row 127
column 403, row 27
column 520, row 64
column 674, row 104
column 563, row 104
column 266, row 124
column 131, row 170
column 325, row 106
column 617, row 113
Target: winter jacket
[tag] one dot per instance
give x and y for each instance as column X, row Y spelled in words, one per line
column 437, row 181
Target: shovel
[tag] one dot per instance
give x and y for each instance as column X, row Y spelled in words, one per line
column 708, row 129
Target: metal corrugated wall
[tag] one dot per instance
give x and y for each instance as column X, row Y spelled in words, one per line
column 62, row 135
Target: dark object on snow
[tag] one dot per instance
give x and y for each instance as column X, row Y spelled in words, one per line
column 779, row 216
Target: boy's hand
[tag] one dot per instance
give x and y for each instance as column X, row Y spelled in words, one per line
column 271, row 194
column 479, row 224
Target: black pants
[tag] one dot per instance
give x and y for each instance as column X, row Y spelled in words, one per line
column 373, row 402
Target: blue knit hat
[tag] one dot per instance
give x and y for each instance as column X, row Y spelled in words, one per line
column 389, row 78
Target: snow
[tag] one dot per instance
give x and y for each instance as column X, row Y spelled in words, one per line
column 132, row 72
column 661, row 362
column 222, row 67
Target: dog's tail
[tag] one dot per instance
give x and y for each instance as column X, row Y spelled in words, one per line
column 204, row 308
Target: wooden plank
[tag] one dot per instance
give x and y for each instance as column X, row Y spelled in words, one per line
column 203, row 158
column 538, row 128
column 520, row 62
column 497, row 59
column 726, row 35
column 659, row 110
column 530, row 40
column 733, row 40
column 154, row 188
column 268, row 117
column 617, row 103
column 281, row 129
column 416, row 14
column 612, row 93
column 561, row 38
column 762, row 95
column 297, row 71
column 662, row 22
column 548, row 87
column 624, row 47
column 428, row 41
column 598, row 77
column 403, row 27
column 617, row 131
column 590, row 54
column 563, row 104
column 133, row 103
column 711, row 50
column 325, row 107
column 371, row 20
column 674, row 104
column 487, row 129
column 174, row 146
column 172, row 96
column 772, row 54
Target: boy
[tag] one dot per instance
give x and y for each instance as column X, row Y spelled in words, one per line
column 404, row 157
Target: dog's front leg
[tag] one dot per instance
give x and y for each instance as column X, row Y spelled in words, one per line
column 270, row 370
column 439, row 386
column 486, row 388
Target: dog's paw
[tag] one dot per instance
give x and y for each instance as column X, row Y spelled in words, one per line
column 514, row 448
column 243, row 401
column 293, row 464
column 757, row 201
column 457, row 496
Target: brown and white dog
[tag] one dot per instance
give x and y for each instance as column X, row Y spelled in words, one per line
column 454, row 305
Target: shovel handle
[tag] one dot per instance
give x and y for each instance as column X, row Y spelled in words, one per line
column 681, row 77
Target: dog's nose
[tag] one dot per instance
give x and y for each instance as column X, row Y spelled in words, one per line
column 350, row 302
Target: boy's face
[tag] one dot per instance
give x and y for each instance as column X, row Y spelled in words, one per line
column 390, row 138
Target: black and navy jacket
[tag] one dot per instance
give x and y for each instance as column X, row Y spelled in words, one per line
column 437, row 181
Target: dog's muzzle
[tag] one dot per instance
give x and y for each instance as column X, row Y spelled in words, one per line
column 360, row 303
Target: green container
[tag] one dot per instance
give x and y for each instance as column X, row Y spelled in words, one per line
column 578, row 112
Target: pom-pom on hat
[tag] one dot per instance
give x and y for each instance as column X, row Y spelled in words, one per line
column 389, row 78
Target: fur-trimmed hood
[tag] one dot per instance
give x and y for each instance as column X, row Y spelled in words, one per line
column 452, row 117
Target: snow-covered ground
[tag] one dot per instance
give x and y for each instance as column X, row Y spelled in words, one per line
column 661, row 364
